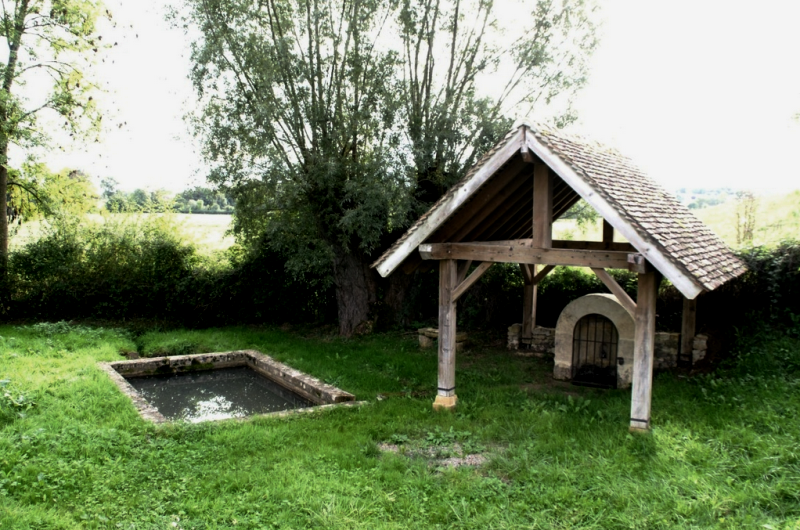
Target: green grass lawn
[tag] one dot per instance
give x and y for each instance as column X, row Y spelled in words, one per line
column 724, row 451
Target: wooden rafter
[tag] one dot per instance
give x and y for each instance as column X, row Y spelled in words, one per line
column 470, row 280
column 616, row 290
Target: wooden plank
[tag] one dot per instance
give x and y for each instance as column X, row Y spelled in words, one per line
column 688, row 328
column 527, row 273
column 527, row 156
column 463, row 268
column 608, row 232
column 450, row 204
column 520, row 252
column 594, row 245
column 643, row 354
column 542, row 206
column 617, row 290
column 685, row 283
column 495, row 203
column 529, row 295
column 542, row 273
column 637, row 263
column 470, row 280
column 447, row 328
column 495, row 222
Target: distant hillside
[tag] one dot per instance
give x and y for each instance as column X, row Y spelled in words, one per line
column 777, row 217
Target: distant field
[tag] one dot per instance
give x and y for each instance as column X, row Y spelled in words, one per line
column 777, row 218
column 207, row 232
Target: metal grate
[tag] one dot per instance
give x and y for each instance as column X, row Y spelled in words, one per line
column 594, row 352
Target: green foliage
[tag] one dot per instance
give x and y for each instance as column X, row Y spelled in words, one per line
column 138, row 201
column 36, row 192
column 334, row 125
column 50, row 43
column 14, row 403
column 133, row 267
column 204, row 200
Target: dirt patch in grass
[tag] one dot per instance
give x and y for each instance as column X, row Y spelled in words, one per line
column 437, row 455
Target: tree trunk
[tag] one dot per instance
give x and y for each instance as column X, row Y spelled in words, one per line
column 395, row 297
column 355, row 293
column 5, row 294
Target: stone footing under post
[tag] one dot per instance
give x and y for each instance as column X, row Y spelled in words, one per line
column 445, row 402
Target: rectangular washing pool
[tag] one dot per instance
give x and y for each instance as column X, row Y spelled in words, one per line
column 218, row 386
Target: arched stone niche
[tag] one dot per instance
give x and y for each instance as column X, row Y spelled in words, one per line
column 600, row 304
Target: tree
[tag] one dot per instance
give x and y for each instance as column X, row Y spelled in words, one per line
column 37, row 192
column 299, row 118
column 333, row 126
column 452, row 48
column 49, row 40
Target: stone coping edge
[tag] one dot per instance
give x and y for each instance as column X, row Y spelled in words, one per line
column 322, row 394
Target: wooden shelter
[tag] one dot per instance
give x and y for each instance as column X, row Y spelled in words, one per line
column 503, row 211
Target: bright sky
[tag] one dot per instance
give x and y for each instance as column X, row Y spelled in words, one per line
column 698, row 93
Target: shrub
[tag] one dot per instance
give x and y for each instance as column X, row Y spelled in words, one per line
column 130, row 267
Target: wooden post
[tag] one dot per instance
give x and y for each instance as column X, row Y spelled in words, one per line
column 688, row 330
column 448, row 280
column 528, row 306
column 643, row 345
column 608, row 232
column 542, row 238
column 542, row 207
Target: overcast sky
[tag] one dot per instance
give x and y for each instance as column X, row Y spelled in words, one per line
column 700, row 93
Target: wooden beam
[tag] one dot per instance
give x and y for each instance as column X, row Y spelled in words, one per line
column 542, row 273
column 682, row 280
column 594, row 245
column 617, row 290
column 527, row 273
column 527, row 156
column 638, row 263
column 446, row 394
column 463, row 268
column 542, row 206
column 608, row 232
column 529, row 296
column 521, row 252
column 470, row 280
column 643, row 354
column 688, row 329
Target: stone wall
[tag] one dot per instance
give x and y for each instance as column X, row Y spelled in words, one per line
column 667, row 345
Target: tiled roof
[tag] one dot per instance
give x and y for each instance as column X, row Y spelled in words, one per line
column 656, row 215
column 652, row 213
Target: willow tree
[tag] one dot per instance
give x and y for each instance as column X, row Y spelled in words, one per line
column 298, row 118
column 470, row 67
column 329, row 119
column 50, row 43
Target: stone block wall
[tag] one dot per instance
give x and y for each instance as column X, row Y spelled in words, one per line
column 667, row 345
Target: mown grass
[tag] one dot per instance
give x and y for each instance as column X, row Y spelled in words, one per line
column 724, row 451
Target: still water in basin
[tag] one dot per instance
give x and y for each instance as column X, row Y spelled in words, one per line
column 215, row 394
